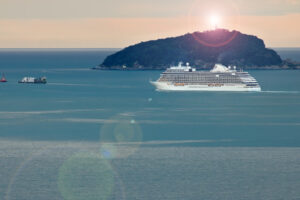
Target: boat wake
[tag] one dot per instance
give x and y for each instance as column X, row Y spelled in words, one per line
column 70, row 84
column 282, row 92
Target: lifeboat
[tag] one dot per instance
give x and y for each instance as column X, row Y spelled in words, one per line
column 179, row 84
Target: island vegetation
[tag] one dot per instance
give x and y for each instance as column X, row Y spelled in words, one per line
column 202, row 50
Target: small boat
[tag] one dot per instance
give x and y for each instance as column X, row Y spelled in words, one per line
column 40, row 80
column 3, row 79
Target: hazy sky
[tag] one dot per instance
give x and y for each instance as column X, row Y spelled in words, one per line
column 118, row 23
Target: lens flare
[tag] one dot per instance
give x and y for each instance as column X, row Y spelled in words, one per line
column 214, row 21
column 121, row 138
column 15, row 187
column 86, row 176
column 210, row 23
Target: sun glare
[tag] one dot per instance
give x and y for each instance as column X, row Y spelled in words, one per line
column 214, row 21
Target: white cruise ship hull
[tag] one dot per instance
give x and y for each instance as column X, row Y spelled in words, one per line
column 165, row 86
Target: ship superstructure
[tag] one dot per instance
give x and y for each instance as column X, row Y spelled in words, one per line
column 220, row 78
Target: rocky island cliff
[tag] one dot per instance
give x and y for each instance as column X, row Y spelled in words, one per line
column 201, row 49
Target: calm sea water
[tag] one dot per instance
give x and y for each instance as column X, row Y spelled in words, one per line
column 109, row 135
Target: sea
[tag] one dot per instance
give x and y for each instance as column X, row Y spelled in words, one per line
column 105, row 135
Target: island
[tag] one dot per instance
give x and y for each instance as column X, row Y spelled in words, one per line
column 201, row 50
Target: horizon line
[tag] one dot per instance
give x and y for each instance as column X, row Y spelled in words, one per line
column 96, row 48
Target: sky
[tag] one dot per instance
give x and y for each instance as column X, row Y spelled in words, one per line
column 119, row 23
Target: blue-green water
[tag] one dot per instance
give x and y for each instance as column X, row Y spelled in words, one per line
column 164, row 145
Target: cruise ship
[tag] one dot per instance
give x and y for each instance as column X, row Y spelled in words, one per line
column 220, row 78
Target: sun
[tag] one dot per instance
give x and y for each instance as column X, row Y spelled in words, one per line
column 214, row 21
